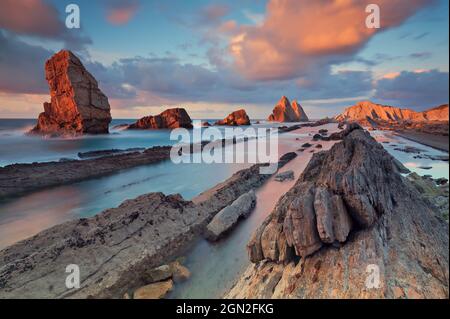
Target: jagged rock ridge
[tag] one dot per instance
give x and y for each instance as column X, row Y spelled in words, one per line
column 77, row 104
column 367, row 110
column 349, row 209
column 284, row 111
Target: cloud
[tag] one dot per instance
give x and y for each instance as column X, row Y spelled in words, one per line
column 296, row 36
column 121, row 12
column 419, row 89
column 31, row 17
column 21, row 66
column 421, row 55
column 38, row 19
column 212, row 14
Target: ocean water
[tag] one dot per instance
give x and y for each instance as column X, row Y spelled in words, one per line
column 17, row 147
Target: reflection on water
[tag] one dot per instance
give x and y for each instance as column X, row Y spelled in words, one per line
column 16, row 147
column 23, row 217
column 435, row 168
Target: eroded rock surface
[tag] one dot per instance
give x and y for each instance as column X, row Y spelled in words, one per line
column 169, row 119
column 284, row 111
column 236, row 118
column 228, row 217
column 117, row 250
column 381, row 117
column 77, row 104
column 350, row 209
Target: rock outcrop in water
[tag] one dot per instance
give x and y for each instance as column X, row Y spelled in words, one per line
column 236, row 118
column 77, row 104
column 349, row 212
column 117, row 250
column 284, row 111
column 228, row 217
column 169, row 119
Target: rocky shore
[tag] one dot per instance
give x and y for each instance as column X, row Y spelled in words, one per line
column 351, row 209
column 116, row 249
column 18, row 179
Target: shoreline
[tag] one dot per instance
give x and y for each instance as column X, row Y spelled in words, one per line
column 438, row 142
column 148, row 230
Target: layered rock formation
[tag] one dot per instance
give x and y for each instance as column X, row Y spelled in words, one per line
column 350, row 211
column 117, row 250
column 228, row 217
column 439, row 113
column 236, row 118
column 366, row 111
column 77, row 104
column 284, row 111
column 169, row 119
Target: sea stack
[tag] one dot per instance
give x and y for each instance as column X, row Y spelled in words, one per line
column 284, row 111
column 169, row 119
column 236, row 118
column 77, row 104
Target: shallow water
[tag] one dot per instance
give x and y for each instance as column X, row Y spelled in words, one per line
column 435, row 168
column 16, row 147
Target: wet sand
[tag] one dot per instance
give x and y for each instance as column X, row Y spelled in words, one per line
column 216, row 266
column 438, row 142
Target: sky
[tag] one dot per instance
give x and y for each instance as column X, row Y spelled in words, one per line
column 213, row 57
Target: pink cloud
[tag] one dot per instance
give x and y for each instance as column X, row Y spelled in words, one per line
column 32, row 17
column 297, row 35
column 121, row 15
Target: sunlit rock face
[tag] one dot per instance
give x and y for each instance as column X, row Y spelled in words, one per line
column 169, row 119
column 77, row 104
column 284, row 111
column 367, row 110
column 236, row 118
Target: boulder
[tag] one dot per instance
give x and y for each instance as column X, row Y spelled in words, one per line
column 156, row 290
column 169, row 119
column 228, row 217
column 236, row 118
column 179, row 272
column 160, row 273
column 77, row 104
column 284, row 111
column 289, row 175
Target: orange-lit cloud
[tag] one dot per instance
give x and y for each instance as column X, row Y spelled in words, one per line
column 295, row 35
column 120, row 15
column 34, row 17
